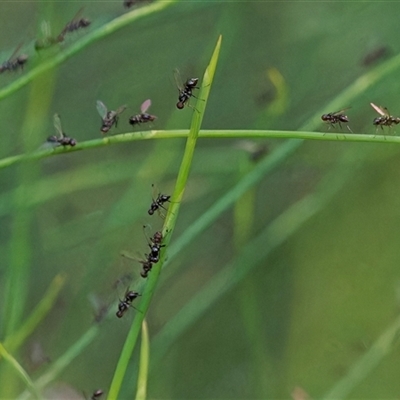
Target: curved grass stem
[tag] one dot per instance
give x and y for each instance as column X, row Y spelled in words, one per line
column 209, row 134
column 382, row 347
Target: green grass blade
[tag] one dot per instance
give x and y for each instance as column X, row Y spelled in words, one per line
column 168, row 226
column 20, row 372
column 82, row 43
column 181, row 180
column 144, row 363
column 365, row 365
column 244, row 215
column 47, row 302
column 64, row 361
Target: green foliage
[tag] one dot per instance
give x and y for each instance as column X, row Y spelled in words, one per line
column 277, row 296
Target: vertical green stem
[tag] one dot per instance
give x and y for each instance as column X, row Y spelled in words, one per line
column 144, row 363
column 168, row 226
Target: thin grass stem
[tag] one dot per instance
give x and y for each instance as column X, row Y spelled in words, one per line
column 143, row 363
column 172, row 214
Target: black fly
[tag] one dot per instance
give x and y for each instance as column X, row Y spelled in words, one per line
column 336, row 117
column 158, row 202
column 385, row 119
column 62, row 139
column 143, row 117
column 185, row 90
column 155, row 247
column 14, row 62
column 124, row 304
column 109, row 118
column 75, row 24
column 147, row 265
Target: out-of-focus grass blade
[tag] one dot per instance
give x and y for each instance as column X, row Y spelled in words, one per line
column 64, row 361
column 364, row 366
column 39, row 313
column 20, row 371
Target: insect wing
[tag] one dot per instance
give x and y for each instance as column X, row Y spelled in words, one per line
column 154, row 192
column 15, row 52
column 380, row 110
column 120, row 110
column 145, row 229
column 129, row 256
column 178, row 79
column 51, row 143
column 57, row 125
column 145, row 106
column 70, row 24
column 341, row 111
column 77, row 15
column 101, row 109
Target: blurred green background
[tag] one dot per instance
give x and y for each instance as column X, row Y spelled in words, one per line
column 304, row 314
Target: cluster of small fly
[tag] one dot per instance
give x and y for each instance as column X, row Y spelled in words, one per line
column 338, row 117
column 155, row 241
column 111, row 118
column 153, row 257
column 74, row 25
column 47, row 40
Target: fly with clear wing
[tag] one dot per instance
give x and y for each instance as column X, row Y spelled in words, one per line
column 62, row 139
column 385, row 118
column 143, row 117
column 185, row 89
column 337, row 117
column 109, row 118
column 14, row 62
